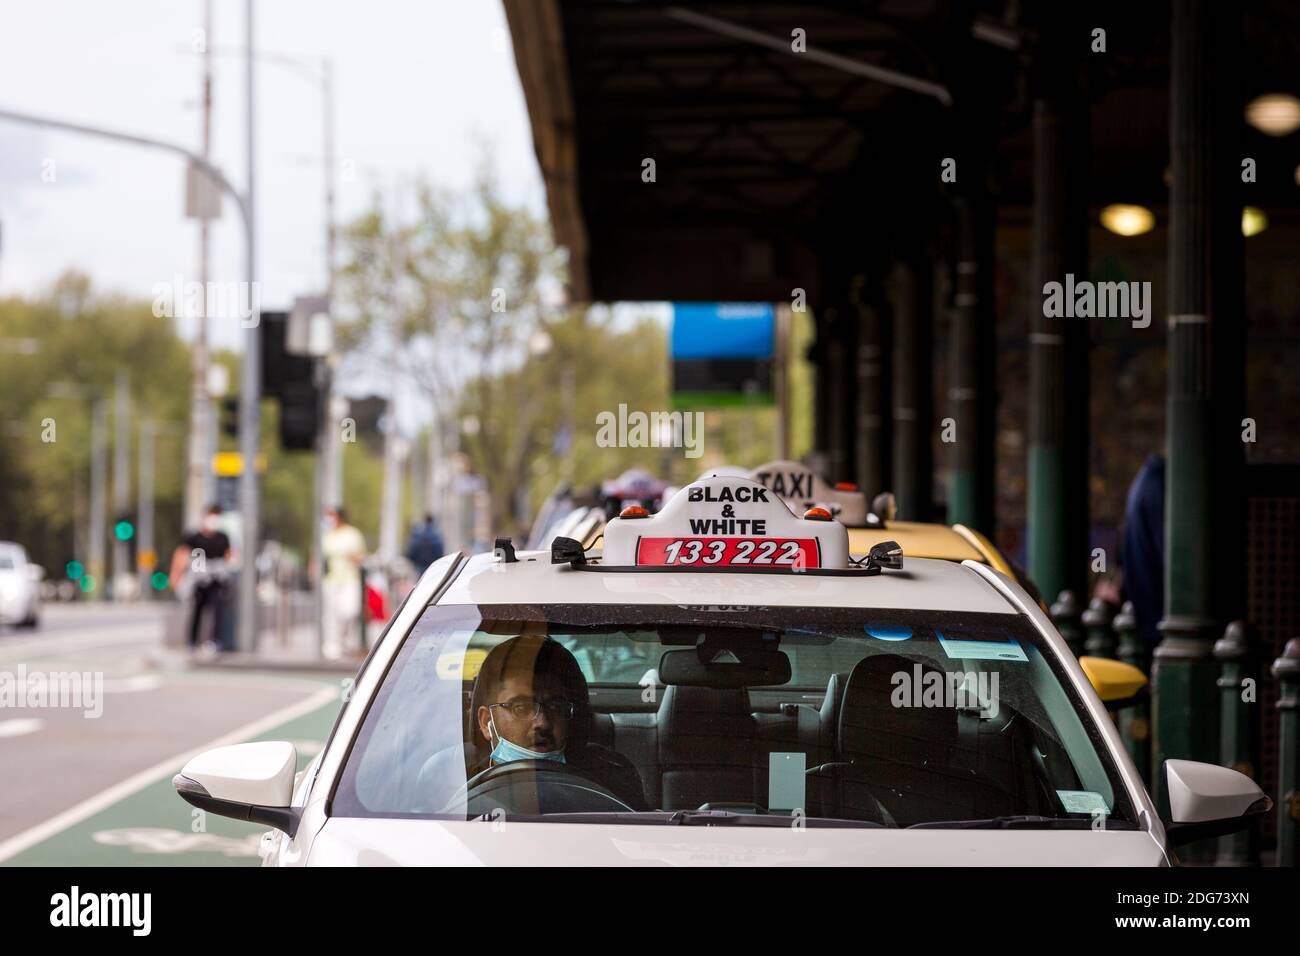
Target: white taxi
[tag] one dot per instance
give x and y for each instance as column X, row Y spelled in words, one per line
column 722, row 684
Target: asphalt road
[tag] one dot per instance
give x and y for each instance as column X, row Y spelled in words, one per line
column 87, row 774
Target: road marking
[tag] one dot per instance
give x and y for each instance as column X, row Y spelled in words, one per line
column 164, row 841
column 59, row 646
column 120, row 791
column 19, row 726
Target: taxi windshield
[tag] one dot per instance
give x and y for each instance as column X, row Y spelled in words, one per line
column 747, row 716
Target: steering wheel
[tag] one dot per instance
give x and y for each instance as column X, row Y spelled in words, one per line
column 541, row 786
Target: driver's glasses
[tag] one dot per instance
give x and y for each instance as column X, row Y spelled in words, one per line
column 525, row 708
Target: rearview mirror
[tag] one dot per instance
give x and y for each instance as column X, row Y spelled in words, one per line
column 723, row 666
column 252, row 782
column 1206, row 800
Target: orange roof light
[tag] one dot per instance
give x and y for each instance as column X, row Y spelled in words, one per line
column 817, row 514
column 634, row 511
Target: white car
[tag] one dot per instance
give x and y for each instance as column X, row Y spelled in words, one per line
column 721, row 685
column 20, row 587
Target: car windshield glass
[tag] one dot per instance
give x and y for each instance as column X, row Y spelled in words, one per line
column 829, row 716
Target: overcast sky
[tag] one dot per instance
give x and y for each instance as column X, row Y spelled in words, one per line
column 421, row 88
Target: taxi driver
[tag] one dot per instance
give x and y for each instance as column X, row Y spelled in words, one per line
column 530, row 702
column 528, row 716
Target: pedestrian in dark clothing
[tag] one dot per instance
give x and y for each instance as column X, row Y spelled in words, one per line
column 200, row 565
column 425, row 545
column 1144, row 548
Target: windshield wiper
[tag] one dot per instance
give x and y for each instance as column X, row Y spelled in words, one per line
column 711, row 818
column 1016, row 822
column 686, row 818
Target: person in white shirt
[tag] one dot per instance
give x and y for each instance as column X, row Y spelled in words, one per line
column 344, row 548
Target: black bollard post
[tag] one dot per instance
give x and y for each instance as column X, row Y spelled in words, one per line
column 1236, row 653
column 1097, row 624
column 1287, row 671
column 1135, row 721
column 1066, row 615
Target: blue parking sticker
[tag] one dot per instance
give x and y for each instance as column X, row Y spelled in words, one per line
column 981, row 650
column 1082, row 801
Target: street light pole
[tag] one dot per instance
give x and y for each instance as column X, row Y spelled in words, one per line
column 250, row 393
column 198, row 476
column 327, row 491
column 121, row 482
column 146, row 554
column 98, row 478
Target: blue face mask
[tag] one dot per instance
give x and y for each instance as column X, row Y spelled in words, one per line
column 507, row 752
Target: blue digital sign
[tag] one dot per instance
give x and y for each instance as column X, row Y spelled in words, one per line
column 723, row 330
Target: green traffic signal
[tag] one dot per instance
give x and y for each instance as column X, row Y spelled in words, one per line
column 124, row 530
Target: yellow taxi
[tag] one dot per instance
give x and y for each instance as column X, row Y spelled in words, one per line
column 801, row 488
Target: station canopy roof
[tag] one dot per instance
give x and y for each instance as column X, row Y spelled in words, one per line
column 769, row 162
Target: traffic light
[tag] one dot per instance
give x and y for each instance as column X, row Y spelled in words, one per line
column 230, row 416
column 299, row 415
column 292, row 379
column 124, row 527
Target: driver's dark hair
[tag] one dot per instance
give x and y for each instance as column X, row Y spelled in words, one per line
column 545, row 656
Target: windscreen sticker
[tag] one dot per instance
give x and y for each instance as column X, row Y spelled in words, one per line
column 786, row 781
column 981, row 650
column 888, row 633
column 1082, row 801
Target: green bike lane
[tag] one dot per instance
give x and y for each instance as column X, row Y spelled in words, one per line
column 142, row 822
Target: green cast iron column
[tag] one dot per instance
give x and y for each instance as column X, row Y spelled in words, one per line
column 972, row 370
column 1057, row 508
column 1185, row 674
column 871, row 441
column 909, row 297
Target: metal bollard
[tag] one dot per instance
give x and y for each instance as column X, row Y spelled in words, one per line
column 1135, row 721
column 1237, row 654
column 1066, row 616
column 1287, row 671
column 1097, row 624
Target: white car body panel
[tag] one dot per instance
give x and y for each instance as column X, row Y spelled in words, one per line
column 1091, row 702
column 20, row 593
column 923, row 584
column 322, row 840
column 374, row 842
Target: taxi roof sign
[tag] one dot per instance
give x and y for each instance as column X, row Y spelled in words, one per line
column 802, row 488
column 726, row 522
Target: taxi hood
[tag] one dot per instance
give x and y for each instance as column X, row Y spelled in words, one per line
column 349, row 841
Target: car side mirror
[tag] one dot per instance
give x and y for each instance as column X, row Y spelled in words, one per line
column 1116, row 683
column 35, row 573
column 252, row 782
column 1206, row 800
